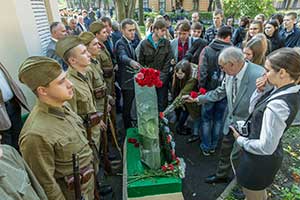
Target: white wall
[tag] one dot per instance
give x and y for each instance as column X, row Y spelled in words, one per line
column 19, row 38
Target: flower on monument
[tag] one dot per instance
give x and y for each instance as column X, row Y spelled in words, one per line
column 202, row 91
column 194, row 94
column 148, row 77
column 132, row 140
column 136, row 145
column 161, row 115
column 171, row 167
column 169, row 139
column 177, row 160
column 164, row 168
column 173, row 154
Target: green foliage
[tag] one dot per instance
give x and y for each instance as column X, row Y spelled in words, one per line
column 238, row 8
column 206, row 15
column 292, row 193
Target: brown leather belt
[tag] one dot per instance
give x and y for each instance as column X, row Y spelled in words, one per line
column 100, row 92
column 86, row 174
column 107, row 72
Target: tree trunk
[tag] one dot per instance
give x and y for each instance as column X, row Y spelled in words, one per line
column 99, row 4
column 141, row 13
column 124, row 9
column 288, row 4
column 218, row 4
column 210, row 5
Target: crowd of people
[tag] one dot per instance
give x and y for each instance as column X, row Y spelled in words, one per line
column 247, row 77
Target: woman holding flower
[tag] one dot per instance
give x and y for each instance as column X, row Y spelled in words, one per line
column 185, row 82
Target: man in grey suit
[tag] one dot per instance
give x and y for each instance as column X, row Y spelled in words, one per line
column 58, row 32
column 237, row 86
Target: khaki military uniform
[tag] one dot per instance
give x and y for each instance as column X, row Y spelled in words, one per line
column 47, row 141
column 83, row 101
column 95, row 74
column 108, row 69
column 17, row 181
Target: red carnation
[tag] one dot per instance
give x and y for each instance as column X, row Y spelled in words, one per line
column 159, row 84
column 171, row 167
column 139, row 76
column 164, row 168
column 161, row 115
column 143, row 70
column 132, row 140
column 173, row 154
column 177, row 161
column 202, row 91
column 193, row 94
column 169, row 138
column 136, row 145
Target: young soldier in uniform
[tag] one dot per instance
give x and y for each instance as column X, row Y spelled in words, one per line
column 53, row 132
column 99, row 29
column 78, row 58
column 96, row 72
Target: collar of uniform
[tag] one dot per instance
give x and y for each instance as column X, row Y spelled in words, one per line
column 94, row 61
column 58, row 112
column 76, row 74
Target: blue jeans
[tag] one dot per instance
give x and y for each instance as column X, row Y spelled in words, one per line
column 212, row 124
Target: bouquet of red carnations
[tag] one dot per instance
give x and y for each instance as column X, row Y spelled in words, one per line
column 148, row 77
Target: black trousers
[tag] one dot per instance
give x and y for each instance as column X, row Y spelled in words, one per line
column 128, row 97
column 162, row 97
column 11, row 136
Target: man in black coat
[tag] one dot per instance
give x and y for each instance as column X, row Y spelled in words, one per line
column 126, row 59
column 155, row 52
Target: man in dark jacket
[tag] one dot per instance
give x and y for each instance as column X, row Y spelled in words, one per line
column 291, row 33
column 126, row 59
column 211, row 32
column 155, row 52
column 210, row 77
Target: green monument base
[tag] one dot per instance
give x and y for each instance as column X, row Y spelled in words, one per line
column 137, row 186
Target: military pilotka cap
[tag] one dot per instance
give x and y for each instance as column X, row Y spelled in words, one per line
column 86, row 37
column 66, row 44
column 38, row 71
column 95, row 27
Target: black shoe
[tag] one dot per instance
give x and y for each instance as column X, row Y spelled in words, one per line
column 213, row 179
column 193, row 138
column 183, row 131
column 105, row 189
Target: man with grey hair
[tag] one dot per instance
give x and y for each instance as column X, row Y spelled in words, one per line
column 58, row 32
column 238, row 85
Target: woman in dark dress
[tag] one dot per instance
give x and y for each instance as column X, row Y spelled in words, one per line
column 272, row 112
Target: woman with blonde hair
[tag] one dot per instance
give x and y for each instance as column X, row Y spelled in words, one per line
column 255, row 51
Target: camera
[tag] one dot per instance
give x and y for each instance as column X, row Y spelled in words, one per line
column 242, row 127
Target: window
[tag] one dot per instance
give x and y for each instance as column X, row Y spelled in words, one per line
column 41, row 20
column 162, row 4
column 145, row 3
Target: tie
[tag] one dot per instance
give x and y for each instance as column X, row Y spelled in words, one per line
column 234, row 88
column 131, row 50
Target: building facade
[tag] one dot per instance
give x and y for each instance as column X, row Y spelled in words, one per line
column 287, row 4
column 167, row 5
